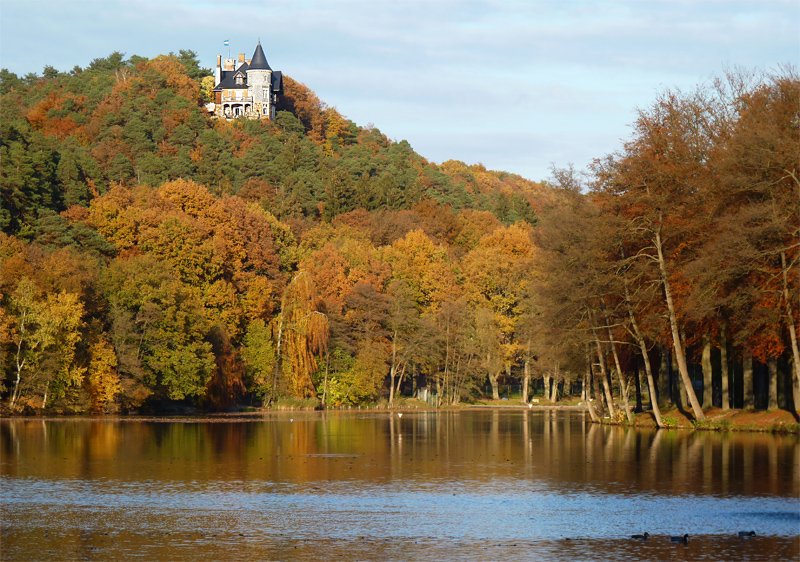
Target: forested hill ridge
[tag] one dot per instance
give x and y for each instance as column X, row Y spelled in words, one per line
column 154, row 256
column 142, row 122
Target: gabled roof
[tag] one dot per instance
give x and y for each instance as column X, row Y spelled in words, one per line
column 227, row 79
column 259, row 61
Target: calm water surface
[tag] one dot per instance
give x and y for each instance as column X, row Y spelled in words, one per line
column 468, row 485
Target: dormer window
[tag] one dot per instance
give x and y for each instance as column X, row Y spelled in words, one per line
column 238, row 80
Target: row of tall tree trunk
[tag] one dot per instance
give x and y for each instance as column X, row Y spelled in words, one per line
column 667, row 387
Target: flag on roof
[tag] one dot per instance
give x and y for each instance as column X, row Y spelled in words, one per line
column 227, row 42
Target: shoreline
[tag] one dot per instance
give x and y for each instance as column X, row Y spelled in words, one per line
column 761, row 421
column 717, row 419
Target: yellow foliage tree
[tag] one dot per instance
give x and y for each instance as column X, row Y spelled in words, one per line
column 103, row 378
column 301, row 331
column 45, row 334
column 425, row 267
column 207, row 87
column 497, row 277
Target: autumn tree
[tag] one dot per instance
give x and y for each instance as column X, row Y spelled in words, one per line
column 497, row 273
column 258, row 352
column 425, row 267
column 461, row 367
column 300, row 332
column 357, row 368
column 104, row 381
column 659, row 183
column 407, row 335
column 572, row 280
column 226, row 385
column 45, row 336
column 749, row 268
column 158, row 329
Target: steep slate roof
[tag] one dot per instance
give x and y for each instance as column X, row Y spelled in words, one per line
column 226, row 79
column 259, row 61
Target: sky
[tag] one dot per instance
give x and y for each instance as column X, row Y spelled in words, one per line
column 517, row 86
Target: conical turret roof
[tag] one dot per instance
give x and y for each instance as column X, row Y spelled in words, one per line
column 259, row 61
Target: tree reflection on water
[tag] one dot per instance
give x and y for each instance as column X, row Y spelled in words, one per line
column 471, row 484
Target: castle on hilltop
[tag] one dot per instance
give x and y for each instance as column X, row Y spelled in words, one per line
column 246, row 88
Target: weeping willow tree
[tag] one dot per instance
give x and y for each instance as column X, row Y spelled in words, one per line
column 300, row 331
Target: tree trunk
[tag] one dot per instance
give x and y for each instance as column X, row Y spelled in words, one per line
column 772, row 364
column 446, row 391
column 584, row 388
column 707, row 381
column 20, row 364
column 604, row 377
column 651, row 385
column 664, row 385
column 493, row 378
column 15, row 394
column 796, row 396
column 392, row 379
column 554, row 390
column 526, row 378
column 676, row 339
column 792, row 336
column 393, row 370
column 747, row 380
column 278, row 365
column 638, row 407
column 723, row 351
column 594, row 413
column 598, row 397
column 546, row 384
column 400, row 380
column 623, row 388
column 675, row 389
column 325, row 384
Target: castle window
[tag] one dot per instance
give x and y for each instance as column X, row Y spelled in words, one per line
column 239, row 79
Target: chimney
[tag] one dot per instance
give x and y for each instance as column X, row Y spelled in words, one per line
column 241, row 59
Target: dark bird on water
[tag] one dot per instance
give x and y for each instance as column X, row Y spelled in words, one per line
column 684, row 539
column 747, row 533
column 640, row 537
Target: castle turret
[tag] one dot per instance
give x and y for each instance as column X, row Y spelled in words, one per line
column 259, row 81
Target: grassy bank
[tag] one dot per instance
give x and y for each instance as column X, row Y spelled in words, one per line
column 773, row 421
column 716, row 419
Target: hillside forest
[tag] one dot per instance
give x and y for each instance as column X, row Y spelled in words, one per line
column 154, row 259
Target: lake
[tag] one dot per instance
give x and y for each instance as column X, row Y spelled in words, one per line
column 452, row 485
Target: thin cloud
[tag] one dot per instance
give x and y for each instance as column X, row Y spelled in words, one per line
column 514, row 85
